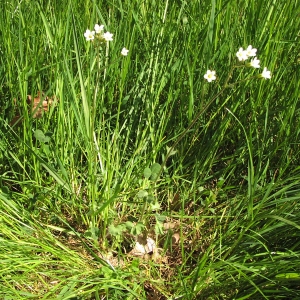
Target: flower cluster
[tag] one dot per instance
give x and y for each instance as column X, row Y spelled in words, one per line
column 99, row 34
column 243, row 55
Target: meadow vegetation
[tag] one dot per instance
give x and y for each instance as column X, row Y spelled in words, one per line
column 131, row 175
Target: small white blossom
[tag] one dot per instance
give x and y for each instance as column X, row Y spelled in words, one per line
column 242, row 54
column 251, row 51
column 107, row 36
column 89, row 35
column 124, row 51
column 210, row 75
column 266, row 74
column 99, row 28
column 255, row 63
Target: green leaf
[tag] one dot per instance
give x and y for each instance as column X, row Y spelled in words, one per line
column 116, row 230
column 40, row 136
column 46, row 149
column 147, row 172
column 5, row 190
column 160, row 218
column 288, row 276
column 172, row 152
column 150, row 198
column 155, row 168
column 155, row 206
column 142, row 194
column 159, row 228
column 92, row 232
column 137, row 229
column 129, row 225
column 56, row 176
column 154, row 176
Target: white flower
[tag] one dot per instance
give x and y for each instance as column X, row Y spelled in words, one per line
column 124, row 51
column 266, row 74
column 255, row 63
column 107, row 36
column 89, row 35
column 98, row 28
column 242, row 54
column 251, row 51
column 210, row 75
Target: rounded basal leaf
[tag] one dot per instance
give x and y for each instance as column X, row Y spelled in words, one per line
column 142, row 194
column 150, row 198
column 129, row 224
column 113, row 230
column 39, row 135
column 147, row 172
column 92, row 232
column 154, row 176
column 160, row 218
column 155, row 168
column 116, row 230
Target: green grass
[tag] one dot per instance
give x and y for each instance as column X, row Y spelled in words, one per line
column 133, row 145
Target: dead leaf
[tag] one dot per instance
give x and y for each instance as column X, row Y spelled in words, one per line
column 40, row 104
column 175, row 238
column 169, row 225
column 143, row 247
column 37, row 106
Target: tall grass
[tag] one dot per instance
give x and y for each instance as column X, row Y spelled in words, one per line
column 133, row 144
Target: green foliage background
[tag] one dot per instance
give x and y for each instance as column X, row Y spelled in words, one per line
column 133, row 142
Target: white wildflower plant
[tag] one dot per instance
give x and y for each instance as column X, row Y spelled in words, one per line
column 99, row 37
column 98, row 34
column 242, row 55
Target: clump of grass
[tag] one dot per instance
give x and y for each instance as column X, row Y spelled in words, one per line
column 141, row 146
